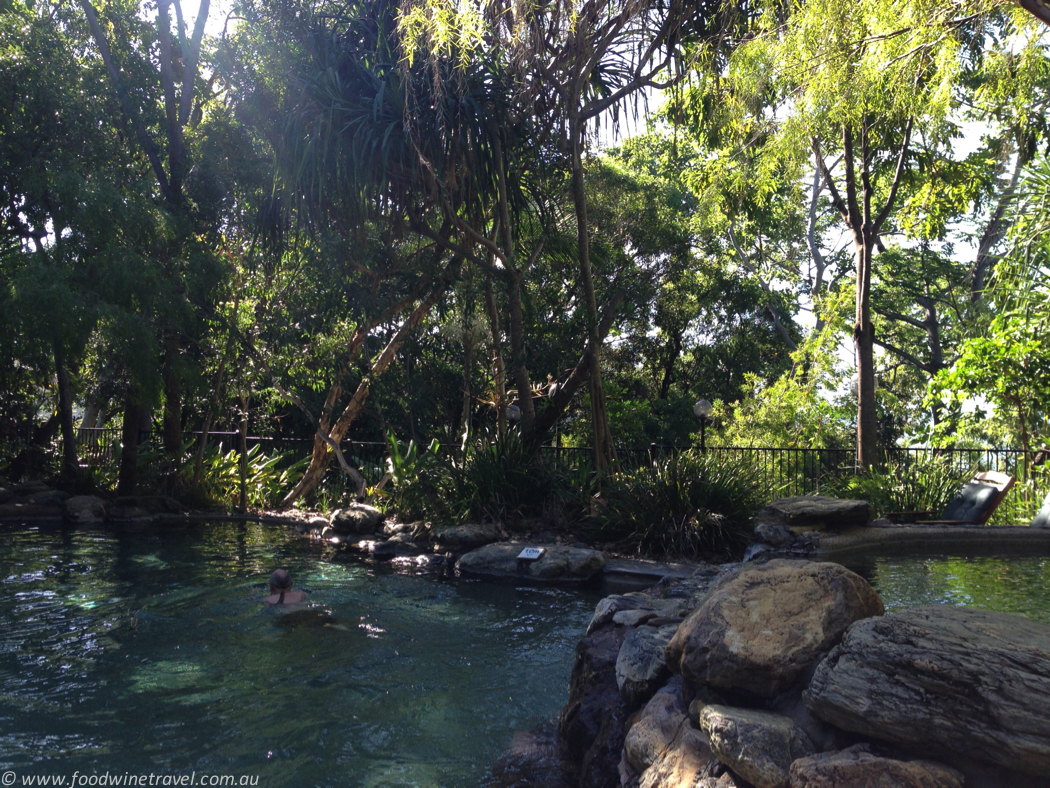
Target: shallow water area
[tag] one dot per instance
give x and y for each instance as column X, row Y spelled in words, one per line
column 1008, row 584
column 144, row 650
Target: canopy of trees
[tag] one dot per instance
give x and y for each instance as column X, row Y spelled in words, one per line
column 354, row 219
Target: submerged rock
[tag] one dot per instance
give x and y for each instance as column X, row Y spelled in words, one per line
column 758, row 745
column 762, row 629
column 946, row 680
column 558, row 562
column 857, row 765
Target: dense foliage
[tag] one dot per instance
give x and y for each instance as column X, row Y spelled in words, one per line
column 412, row 223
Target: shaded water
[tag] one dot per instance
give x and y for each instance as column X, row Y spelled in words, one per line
column 1010, row 585
column 425, row 685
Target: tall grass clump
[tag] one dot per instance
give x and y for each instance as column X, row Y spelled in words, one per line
column 923, row 484
column 688, row 504
column 497, row 480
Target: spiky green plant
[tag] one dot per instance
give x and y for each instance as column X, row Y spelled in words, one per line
column 689, row 505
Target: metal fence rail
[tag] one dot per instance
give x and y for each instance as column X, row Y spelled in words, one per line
column 783, row 471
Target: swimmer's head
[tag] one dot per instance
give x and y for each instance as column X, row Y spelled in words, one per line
column 280, row 580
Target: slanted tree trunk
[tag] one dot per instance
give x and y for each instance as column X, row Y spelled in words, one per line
column 322, row 450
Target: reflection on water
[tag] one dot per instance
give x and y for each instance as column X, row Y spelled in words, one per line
column 1009, row 585
column 145, row 649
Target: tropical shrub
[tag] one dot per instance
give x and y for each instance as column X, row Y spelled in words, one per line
column 687, row 504
column 922, row 484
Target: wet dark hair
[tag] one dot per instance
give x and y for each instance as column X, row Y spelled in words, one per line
column 282, row 581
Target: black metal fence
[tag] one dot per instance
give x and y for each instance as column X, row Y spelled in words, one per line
column 784, row 471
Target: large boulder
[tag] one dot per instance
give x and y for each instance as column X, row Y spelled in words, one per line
column 84, row 509
column 762, row 629
column 558, row 563
column 640, row 665
column 815, row 513
column 687, row 760
column 656, row 726
column 857, row 765
column 47, row 498
column 949, row 681
column 592, row 725
column 758, row 745
column 461, row 538
column 357, row 518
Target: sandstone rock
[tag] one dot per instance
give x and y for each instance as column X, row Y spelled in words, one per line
column 758, row 745
column 357, row 518
column 762, row 629
column 656, row 726
column 315, row 527
column 605, row 611
column 394, row 528
column 558, row 563
column 399, row 545
column 773, row 535
column 592, row 725
column 47, row 498
column 460, row 538
column 640, row 665
column 123, row 512
column 84, row 509
column 15, row 511
column 857, row 765
column 30, row 488
column 632, row 618
column 143, row 508
column 949, row 681
column 530, row 760
column 814, row 512
column 686, row 761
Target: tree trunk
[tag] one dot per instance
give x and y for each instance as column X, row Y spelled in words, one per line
column 468, row 367
column 498, row 382
column 604, row 452
column 322, row 452
column 519, row 370
column 244, row 453
column 864, row 341
column 129, row 450
column 173, row 403
column 70, row 465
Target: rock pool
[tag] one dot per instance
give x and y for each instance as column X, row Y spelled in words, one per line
column 1017, row 584
column 142, row 650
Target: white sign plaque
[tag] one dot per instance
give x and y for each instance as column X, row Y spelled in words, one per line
column 531, row 553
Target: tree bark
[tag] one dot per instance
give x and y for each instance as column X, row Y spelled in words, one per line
column 321, row 454
column 127, row 476
column 70, row 464
column 604, row 453
column 173, row 403
column 498, row 382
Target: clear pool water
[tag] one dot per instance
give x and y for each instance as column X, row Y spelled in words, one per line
column 1011, row 585
column 144, row 651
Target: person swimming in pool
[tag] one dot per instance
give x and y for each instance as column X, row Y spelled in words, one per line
column 281, row 592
